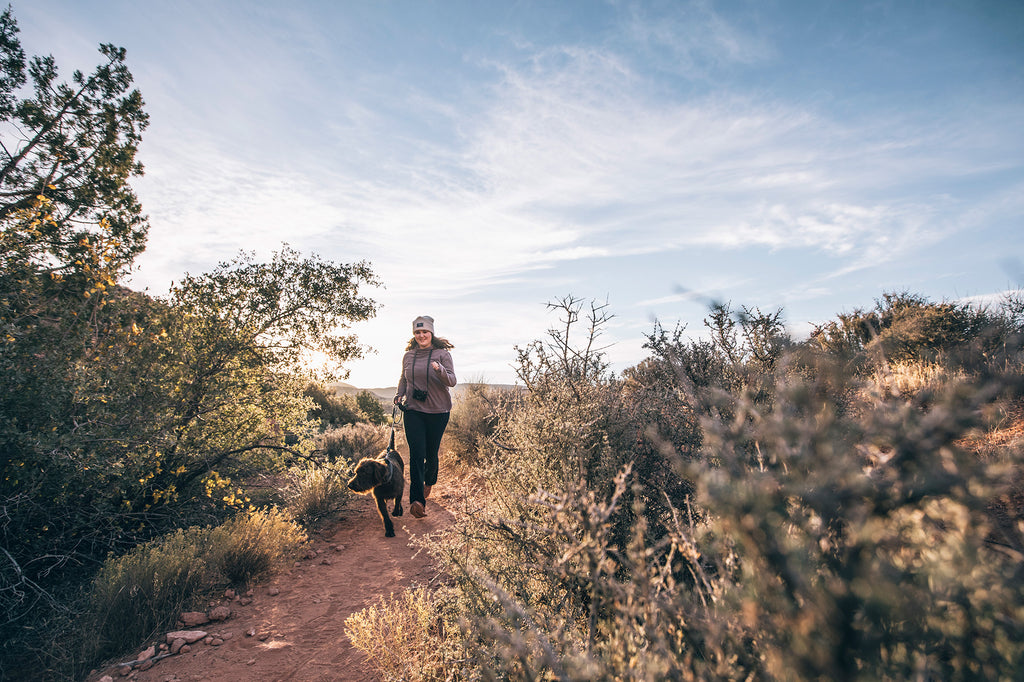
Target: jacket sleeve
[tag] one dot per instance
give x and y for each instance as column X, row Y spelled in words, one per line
column 447, row 373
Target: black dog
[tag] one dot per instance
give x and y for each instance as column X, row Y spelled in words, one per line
column 385, row 476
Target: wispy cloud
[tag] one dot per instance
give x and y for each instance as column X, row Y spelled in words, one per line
column 474, row 198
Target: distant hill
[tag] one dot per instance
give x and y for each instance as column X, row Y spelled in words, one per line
column 387, row 394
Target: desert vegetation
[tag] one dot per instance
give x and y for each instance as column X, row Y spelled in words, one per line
column 135, row 428
column 740, row 506
column 737, row 505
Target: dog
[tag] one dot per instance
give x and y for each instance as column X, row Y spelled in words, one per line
column 385, row 477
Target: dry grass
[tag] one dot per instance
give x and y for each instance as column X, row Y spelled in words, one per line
column 905, row 379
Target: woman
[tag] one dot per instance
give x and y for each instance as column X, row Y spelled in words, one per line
column 427, row 374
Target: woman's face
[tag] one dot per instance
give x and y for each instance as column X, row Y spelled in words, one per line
column 423, row 338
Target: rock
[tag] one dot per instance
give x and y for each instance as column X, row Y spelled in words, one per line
column 147, row 654
column 216, row 641
column 124, row 670
column 185, row 649
column 190, row 636
column 229, row 593
column 145, row 665
column 244, row 601
column 325, row 562
column 106, row 678
column 251, row 632
column 227, row 635
column 221, row 613
column 274, row 591
column 177, row 645
column 263, row 636
column 193, row 618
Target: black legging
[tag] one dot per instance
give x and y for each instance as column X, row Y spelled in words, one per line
column 423, row 432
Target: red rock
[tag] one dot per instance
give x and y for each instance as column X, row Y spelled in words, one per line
column 220, row 613
column 190, row 636
column 193, row 618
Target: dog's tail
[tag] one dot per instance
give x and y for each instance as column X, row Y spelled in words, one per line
column 394, row 412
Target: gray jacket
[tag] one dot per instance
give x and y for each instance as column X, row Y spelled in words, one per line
column 417, row 372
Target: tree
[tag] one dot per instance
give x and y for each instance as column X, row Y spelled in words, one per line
column 69, row 224
column 75, row 145
column 124, row 416
column 152, row 425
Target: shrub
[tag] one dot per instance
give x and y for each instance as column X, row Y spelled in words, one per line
column 819, row 541
column 314, row 492
column 254, row 544
column 474, row 420
column 405, row 638
column 907, row 327
column 330, row 409
column 134, row 595
column 355, row 441
column 371, row 408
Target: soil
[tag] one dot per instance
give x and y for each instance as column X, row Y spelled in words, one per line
column 299, row 632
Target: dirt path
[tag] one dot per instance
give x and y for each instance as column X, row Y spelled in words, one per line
column 300, row 631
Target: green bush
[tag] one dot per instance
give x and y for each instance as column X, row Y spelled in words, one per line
column 135, row 595
column 330, row 409
column 371, row 408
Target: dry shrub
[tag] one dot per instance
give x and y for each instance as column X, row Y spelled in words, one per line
column 134, row 595
column 254, row 544
column 474, row 418
column 404, row 638
column 316, row 491
column 819, row 542
column 355, row 441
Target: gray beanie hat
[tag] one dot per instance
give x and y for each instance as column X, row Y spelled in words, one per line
column 423, row 322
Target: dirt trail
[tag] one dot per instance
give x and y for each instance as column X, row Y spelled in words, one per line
column 306, row 619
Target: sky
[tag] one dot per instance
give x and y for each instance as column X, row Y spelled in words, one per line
column 490, row 157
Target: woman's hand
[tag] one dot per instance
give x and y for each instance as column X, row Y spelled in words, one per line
column 436, row 365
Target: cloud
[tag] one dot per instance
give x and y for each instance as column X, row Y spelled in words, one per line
column 569, row 153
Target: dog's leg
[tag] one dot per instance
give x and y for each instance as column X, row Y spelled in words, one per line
column 397, row 511
column 382, row 508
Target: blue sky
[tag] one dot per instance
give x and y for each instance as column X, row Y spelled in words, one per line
column 489, row 157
